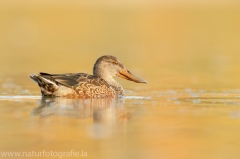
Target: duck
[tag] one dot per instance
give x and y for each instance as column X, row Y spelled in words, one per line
column 82, row 85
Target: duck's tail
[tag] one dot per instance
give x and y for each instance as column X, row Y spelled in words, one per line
column 47, row 86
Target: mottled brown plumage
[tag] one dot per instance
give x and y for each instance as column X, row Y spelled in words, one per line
column 81, row 85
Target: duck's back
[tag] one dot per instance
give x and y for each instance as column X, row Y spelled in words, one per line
column 73, row 85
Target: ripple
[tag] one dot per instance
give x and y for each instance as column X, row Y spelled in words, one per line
column 19, row 97
column 137, row 97
column 39, row 97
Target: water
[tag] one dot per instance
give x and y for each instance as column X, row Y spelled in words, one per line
column 184, row 123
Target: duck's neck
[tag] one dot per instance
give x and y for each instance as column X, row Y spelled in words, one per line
column 111, row 81
column 115, row 85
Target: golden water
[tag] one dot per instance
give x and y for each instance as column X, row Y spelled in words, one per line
column 188, row 53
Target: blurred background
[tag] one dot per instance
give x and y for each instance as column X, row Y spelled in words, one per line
column 187, row 50
column 169, row 43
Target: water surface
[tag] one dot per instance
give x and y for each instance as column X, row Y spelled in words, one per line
column 186, row 123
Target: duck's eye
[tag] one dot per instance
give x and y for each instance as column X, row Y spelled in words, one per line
column 114, row 62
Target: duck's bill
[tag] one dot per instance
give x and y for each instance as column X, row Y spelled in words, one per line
column 125, row 74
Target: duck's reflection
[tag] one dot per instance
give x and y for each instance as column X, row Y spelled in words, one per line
column 106, row 113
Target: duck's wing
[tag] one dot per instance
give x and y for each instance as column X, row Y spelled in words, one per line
column 73, row 79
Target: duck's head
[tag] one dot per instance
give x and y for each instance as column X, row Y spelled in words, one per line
column 109, row 66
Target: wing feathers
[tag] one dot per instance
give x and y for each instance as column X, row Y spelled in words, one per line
column 72, row 79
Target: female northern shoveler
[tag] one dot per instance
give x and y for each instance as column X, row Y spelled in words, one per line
column 80, row 85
